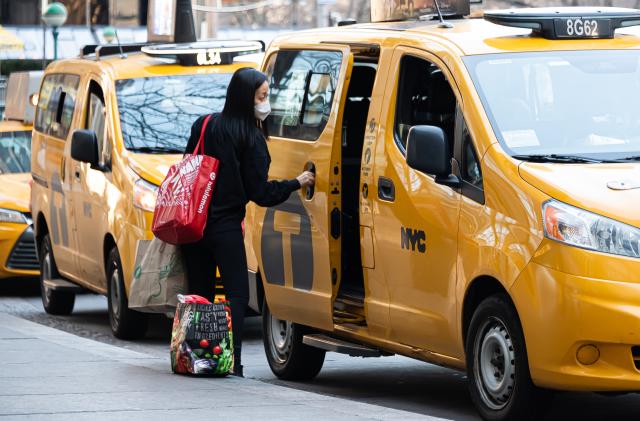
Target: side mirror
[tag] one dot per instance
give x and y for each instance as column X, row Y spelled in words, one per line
column 428, row 152
column 84, row 147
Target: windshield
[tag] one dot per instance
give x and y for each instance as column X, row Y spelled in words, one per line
column 584, row 103
column 156, row 113
column 15, row 152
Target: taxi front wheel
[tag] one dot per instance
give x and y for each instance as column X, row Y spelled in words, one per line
column 288, row 357
column 497, row 365
column 125, row 323
column 54, row 302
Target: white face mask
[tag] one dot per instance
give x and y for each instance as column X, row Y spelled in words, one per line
column 262, row 110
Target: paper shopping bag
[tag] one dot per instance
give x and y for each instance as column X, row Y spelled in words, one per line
column 158, row 277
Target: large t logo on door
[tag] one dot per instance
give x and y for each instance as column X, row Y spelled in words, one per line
column 287, row 243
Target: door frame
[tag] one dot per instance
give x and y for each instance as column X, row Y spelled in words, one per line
column 308, row 303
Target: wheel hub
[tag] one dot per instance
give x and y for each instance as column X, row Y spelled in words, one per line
column 46, row 275
column 280, row 338
column 494, row 364
column 115, row 296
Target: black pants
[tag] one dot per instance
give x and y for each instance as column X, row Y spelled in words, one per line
column 224, row 248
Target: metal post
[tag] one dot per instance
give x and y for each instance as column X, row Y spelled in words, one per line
column 55, row 42
column 87, row 12
column 44, row 46
column 185, row 30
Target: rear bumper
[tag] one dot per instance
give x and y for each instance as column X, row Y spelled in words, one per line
column 18, row 255
column 560, row 313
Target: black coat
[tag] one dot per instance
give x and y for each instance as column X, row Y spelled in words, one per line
column 242, row 174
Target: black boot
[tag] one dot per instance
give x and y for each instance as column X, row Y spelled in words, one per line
column 237, row 363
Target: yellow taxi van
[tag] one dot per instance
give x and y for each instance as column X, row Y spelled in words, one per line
column 476, row 199
column 17, row 243
column 108, row 126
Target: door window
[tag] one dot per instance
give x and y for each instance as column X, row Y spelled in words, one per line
column 95, row 120
column 56, row 104
column 425, row 97
column 470, row 170
column 302, row 84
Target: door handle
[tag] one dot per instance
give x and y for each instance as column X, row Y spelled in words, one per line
column 63, row 168
column 386, row 189
column 76, row 172
column 311, row 167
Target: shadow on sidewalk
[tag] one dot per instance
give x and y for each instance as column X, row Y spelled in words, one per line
column 20, row 287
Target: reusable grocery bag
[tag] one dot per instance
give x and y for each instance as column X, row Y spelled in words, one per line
column 183, row 198
column 201, row 339
column 158, row 276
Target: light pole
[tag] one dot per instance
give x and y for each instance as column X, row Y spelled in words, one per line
column 55, row 15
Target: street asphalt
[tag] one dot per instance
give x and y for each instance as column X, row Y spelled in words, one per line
column 73, row 368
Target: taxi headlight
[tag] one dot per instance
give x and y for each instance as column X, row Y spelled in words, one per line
column 576, row 227
column 8, row 215
column 144, row 195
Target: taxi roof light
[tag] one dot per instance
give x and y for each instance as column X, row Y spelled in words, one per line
column 567, row 22
column 205, row 53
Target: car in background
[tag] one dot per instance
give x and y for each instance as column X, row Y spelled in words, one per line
column 108, row 126
column 18, row 256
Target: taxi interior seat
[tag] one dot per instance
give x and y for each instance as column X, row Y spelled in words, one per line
column 354, row 126
column 442, row 104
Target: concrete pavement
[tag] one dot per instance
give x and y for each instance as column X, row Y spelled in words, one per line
column 49, row 374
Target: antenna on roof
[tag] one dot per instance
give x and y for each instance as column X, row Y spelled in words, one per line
column 109, row 34
column 442, row 23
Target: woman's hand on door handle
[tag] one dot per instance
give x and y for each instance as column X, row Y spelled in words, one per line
column 306, row 179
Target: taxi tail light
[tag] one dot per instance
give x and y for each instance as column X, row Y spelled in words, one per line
column 579, row 228
column 635, row 353
column 30, row 188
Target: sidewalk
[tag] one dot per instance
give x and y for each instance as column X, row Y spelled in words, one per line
column 47, row 374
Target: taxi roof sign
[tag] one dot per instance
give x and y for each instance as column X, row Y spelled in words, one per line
column 20, row 89
column 394, row 10
column 204, row 53
column 567, row 22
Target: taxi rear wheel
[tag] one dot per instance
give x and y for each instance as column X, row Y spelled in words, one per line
column 54, row 302
column 125, row 323
column 288, row 357
column 497, row 366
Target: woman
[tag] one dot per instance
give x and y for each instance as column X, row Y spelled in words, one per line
column 234, row 137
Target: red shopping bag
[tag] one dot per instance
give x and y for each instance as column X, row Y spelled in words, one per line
column 183, row 199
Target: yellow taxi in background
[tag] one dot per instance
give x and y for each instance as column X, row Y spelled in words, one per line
column 107, row 129
column 17, row 243
column 476, row 199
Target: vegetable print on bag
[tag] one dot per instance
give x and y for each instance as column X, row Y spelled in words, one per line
column 202, row 339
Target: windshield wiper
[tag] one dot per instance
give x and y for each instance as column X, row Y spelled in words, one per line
column 630, row 158
column 567, row 159
column 156, row 149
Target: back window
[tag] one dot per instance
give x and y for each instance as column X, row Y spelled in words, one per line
column 56, row 104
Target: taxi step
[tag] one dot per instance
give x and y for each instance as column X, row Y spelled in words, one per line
column 319, row 340
column 62, row 285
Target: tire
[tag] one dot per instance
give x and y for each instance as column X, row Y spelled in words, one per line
column 497, row 366
column 125, row 323
column 288, row 357
column 54, row 302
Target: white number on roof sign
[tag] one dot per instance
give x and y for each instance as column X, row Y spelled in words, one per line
column 578, row 28
column 208, row 58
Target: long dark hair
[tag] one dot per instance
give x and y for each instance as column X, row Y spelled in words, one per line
column 238, row 120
